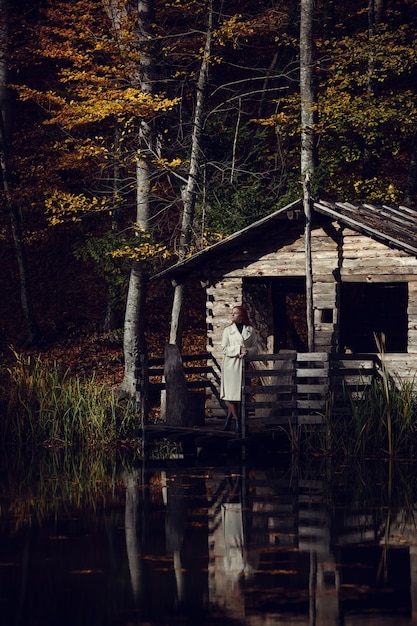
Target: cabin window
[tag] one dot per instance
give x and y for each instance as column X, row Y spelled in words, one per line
column 327, row 316
column 369, row 309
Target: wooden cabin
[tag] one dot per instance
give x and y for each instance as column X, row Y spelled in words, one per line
column 364, row 270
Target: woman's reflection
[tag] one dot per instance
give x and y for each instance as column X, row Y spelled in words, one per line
column 229, row 564
column 235, row 563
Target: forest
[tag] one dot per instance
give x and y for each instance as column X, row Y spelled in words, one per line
column 136, row 133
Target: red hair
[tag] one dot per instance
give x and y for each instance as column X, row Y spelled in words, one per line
column 244, row 314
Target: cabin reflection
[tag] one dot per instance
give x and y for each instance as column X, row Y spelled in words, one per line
column 262, row 547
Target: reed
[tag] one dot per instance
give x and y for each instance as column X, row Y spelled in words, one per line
column 43, row 404
column 379, row 419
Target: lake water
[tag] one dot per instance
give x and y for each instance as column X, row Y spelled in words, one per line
column 110, row 540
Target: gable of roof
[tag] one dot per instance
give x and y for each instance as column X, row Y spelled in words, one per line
column 394, row 226
column 179, row 270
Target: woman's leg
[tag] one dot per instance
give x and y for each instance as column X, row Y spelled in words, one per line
column 232, row 413
column 233, row 410
column 228, row 422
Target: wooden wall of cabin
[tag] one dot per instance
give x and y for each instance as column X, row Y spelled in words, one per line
column 338, row 256
column 282, row 257
column 365, row 261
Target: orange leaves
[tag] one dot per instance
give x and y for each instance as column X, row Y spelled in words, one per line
column 62, row 206
column 236, row 30
column 142, row 248
column 97, row 107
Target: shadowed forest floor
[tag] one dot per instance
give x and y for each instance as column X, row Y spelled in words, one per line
column 69, row 301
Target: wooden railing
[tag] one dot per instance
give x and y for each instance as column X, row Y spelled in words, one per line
column 196, row 375
column 287, row 387
column 296, row 387
column 284, row 388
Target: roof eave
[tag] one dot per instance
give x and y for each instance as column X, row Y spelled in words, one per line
column 183, row 268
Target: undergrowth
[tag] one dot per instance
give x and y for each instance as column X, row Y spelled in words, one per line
column 43, row 404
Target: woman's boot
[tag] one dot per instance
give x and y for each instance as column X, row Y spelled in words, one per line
column 237, row 426
column 227, row 423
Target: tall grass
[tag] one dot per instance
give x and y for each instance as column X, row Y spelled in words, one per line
column 384, row 419
column 42, row 404
column 379, row 419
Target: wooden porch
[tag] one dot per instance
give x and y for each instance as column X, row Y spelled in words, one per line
column 280, row 392
column 301, row 388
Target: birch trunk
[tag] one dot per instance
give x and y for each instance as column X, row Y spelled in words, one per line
column 134, row 384
column 307, row 146
column 190, row 191
column 376, row 11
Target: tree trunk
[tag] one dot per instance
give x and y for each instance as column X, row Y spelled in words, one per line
column 135, row 379
column 134, row 384
column 32, row 330
column 176, row 387
column 376, row 11
column 190, row 191
column 177, row 315
column 411, row 187
column 308, row 106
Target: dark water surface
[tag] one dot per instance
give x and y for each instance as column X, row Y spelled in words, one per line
column 108, row 540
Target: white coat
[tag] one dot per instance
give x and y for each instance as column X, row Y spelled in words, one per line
column 231, row 379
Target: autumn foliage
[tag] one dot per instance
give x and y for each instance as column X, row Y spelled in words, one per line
column 77, row 107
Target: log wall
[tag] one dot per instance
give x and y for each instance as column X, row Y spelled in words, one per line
column 338, row 255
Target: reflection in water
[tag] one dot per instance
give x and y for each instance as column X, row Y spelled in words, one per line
column 229, row 562
column 131, row 532
column 110, row 541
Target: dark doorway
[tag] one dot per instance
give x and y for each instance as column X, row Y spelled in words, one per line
column 278, row 308
column 289, row 305
column 368, row 309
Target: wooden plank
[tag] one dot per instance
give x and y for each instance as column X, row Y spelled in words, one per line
column 274, row 356
column 184, row 357
column 268, row 373
column 312, row 356
column 378, row 278
column 312, row 373
column 379, row 261
column 284, row 404
column 323, row 388
column 283, row 419
column 358, row 225
column 269, row 389
column 310, row 404
column 305, row 420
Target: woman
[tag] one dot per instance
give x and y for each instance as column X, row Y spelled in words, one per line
column 238, row 340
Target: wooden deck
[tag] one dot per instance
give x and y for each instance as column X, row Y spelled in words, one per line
column 280, row 393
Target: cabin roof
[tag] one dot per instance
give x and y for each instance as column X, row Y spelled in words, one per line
column 394, row 226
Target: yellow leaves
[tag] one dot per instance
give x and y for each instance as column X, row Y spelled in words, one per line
column 48, row 100
column 232, row 30
column 62, row 206
column 379, row 57
column 122, row 104
column 144, row 248
column 266, row 23
column 168, row 164
column 285, row 122
column 89, row 148
column 206, row 239
column 141, row 252
column 275, row 120
column 374, row 191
